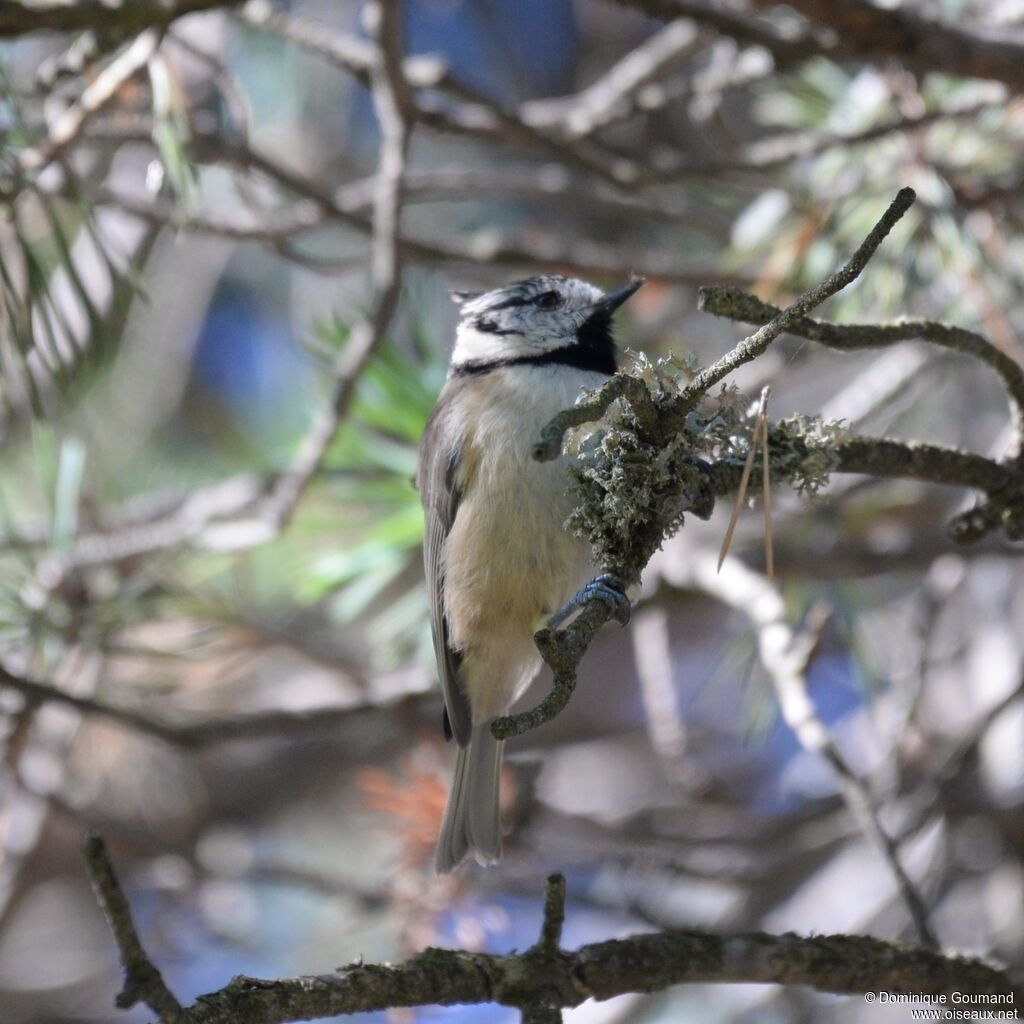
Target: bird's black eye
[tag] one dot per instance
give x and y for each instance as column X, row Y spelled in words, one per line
column 547, row 300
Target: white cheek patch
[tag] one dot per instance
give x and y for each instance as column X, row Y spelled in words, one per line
column 473, row 346
column 582, row 294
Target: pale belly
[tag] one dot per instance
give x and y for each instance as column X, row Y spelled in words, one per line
column 509, row 561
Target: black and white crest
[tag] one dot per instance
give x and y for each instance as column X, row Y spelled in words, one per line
column 549, row 319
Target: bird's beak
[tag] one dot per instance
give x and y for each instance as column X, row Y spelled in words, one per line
column 613, row 300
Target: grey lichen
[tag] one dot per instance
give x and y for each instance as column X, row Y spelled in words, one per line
column 804, row 451
column 634, row 484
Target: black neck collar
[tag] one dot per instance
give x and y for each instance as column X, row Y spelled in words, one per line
column 572, row 355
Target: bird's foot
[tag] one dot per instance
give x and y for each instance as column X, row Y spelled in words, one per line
column 608, row 588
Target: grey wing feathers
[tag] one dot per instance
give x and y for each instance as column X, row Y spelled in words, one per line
column 436, row 477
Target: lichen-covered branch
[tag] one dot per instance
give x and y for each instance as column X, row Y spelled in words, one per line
column 546, row 978
column 562, row 650
column 661, row 456
column 648, row 469
column 880, row 456
column 736, row 304
column 592, row 408
column 659, row 424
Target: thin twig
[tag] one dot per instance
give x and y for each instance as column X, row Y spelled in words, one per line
column 464, row 111
column 191, row 734
column 758, row 342
column 142, row 981
column 69, row 125
column 603, row 100
column 486, row 247
column 550, row 940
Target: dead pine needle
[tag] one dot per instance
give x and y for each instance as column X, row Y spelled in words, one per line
column 766, row 484
column 760, row 436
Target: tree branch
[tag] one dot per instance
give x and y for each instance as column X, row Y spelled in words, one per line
column 545, row 977
column 865, row 30
column 738, row 305
column 483, row 248
column 660, row 424
column 195, row 734
column 594, row 405
column 19, row 17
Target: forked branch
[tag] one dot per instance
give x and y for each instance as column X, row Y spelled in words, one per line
column 545, row 978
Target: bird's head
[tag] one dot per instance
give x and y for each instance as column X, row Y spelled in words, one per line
column 546, row 319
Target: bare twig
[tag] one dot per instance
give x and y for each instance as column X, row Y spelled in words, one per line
column 550, row 939
column 602, row 101
column 785, row 655
column 142, row 981
column 189, row 733
column 484, row 248
column 467, row 111
column 347, row 52
column 68, row 126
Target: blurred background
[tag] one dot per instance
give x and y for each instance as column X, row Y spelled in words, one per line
column 183, row 253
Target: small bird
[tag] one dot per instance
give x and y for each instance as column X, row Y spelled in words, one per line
column 498, row 558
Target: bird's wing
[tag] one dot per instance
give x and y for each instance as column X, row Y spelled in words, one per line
column 437, row 479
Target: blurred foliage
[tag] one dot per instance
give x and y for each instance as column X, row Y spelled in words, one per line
column 374, row 522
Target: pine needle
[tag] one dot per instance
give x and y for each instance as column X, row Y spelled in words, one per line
column 760, row 432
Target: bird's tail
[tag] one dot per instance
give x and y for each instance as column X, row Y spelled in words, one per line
column 472, row 822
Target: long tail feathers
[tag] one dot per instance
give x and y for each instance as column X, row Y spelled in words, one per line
column 472, row 823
